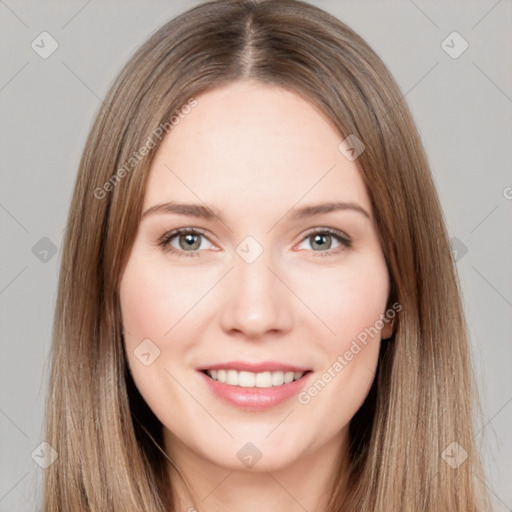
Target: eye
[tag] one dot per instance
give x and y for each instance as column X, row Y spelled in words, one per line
column 321, row 241
column 183, row 241
column 189, row 241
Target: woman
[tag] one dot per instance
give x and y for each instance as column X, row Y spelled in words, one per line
column 257, row 304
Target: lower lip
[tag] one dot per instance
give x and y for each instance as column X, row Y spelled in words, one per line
column 255, row 399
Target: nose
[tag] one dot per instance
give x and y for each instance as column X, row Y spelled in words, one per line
column 256, row 301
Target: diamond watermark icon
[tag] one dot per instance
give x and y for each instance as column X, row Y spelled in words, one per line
column 44, row 250
column 146, row 352
column 249, row 455
column 351, row 147
column 44, row 455
column 249, row 249
column 454, row 45
column 44, row 45
column 459, row 249
column 454, row 455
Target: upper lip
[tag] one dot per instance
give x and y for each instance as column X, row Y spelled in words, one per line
column 270, row 366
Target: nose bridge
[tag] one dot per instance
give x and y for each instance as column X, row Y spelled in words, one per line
column 256, row 301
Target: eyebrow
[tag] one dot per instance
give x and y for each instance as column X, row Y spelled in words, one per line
column 205, row 212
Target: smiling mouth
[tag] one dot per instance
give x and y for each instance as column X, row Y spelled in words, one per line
column 245, row 379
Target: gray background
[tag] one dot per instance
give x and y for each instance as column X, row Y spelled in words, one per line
column 463, row 110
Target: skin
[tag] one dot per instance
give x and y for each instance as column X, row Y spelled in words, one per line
column 253, row 153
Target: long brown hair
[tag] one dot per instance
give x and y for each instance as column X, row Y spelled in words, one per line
column 108, row 441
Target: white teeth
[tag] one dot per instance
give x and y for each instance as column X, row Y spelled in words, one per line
column 250, row 380
column 232, row 377
column 246, row 379
column 263, row 380
column 277, row 378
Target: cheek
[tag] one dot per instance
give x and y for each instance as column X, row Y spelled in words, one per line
column 160, row 303
column 350, row 300
column 347, row 298
column 155, row 298
column 145, row 308
column 149, row 311
column 151, row 314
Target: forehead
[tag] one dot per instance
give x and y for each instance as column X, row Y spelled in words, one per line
column 253, row 147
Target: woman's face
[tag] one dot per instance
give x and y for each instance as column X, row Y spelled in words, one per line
column 268, row 286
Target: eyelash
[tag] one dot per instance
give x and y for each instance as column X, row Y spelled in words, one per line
column 165, row 240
